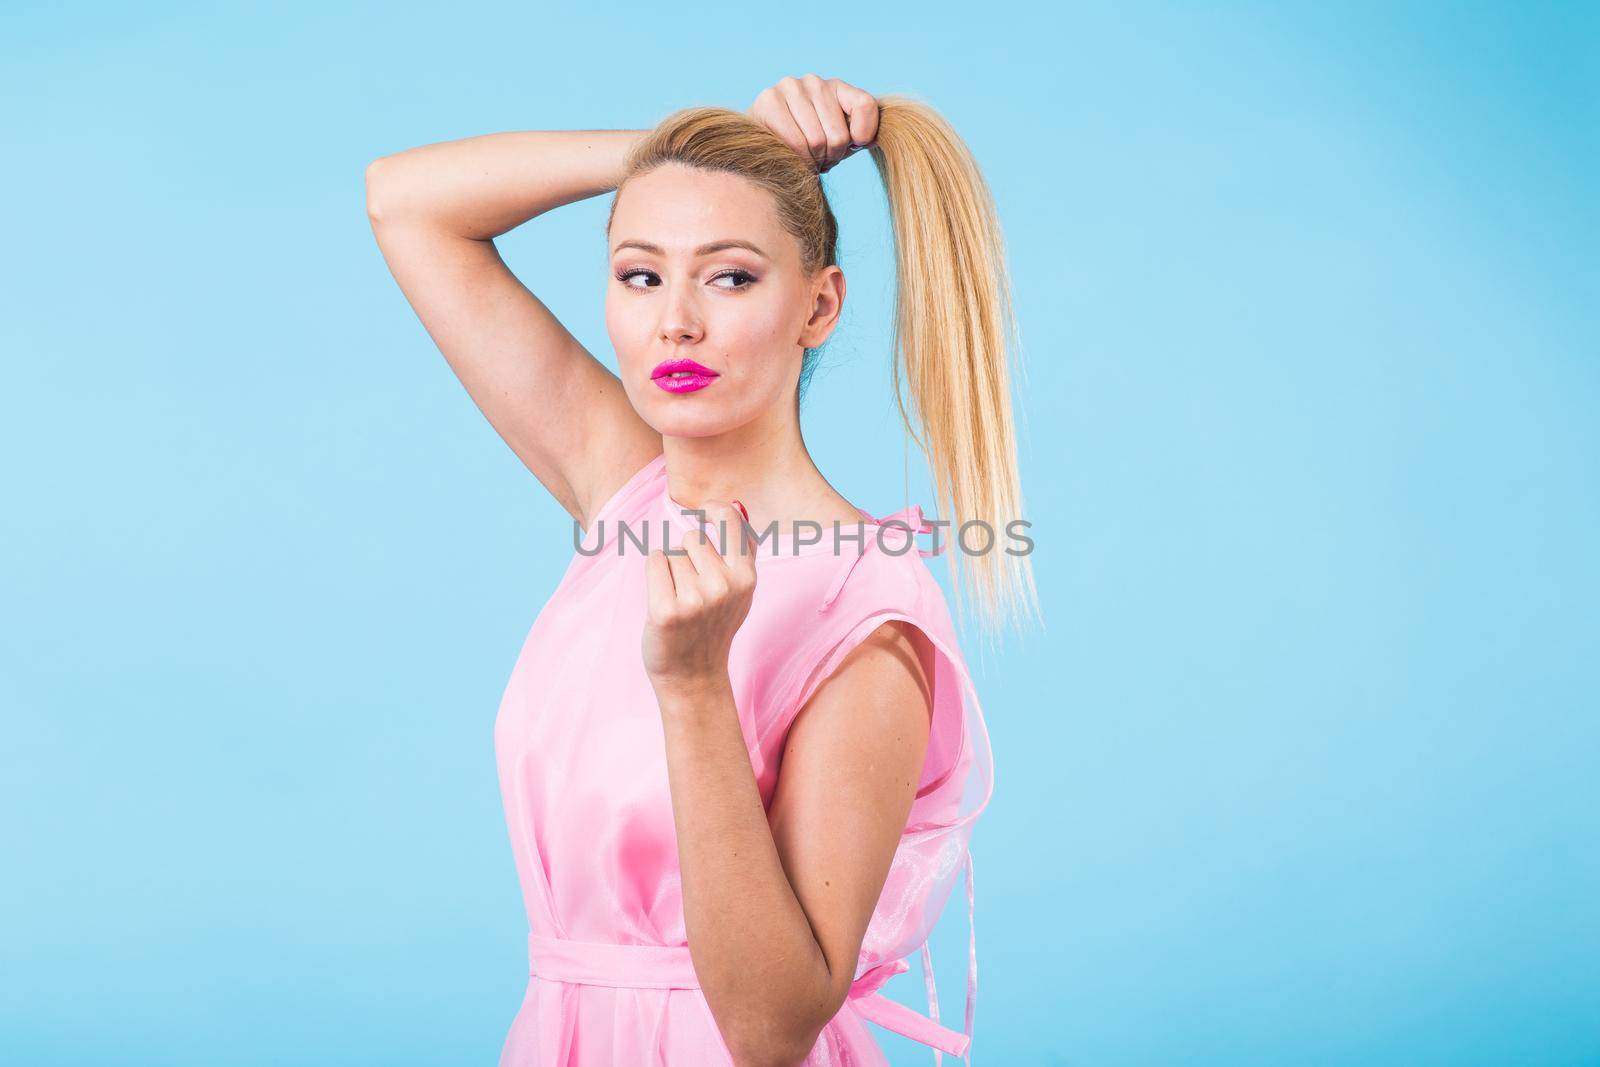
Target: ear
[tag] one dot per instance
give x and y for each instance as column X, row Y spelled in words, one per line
column 827, row 302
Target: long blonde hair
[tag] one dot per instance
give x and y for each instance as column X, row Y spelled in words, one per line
column 955, row 325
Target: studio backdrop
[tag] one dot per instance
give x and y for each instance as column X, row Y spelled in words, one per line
column 1296, row 763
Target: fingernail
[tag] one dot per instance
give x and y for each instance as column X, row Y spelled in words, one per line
column 742, row 511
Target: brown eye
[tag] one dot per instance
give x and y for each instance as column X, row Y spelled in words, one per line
column 749, row 279
column 623, row 276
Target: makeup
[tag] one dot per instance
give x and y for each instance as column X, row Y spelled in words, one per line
column 682, row 376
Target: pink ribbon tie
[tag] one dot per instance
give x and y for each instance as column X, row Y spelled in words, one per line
column 908, row 521
column 892, row 1015
column 560, row 959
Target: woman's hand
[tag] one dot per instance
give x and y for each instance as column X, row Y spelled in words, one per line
column 697, row 602
column 825, row 120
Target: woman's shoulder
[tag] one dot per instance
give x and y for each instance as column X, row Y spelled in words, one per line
column 819, row 602
column 892, row 570
column 882, row 598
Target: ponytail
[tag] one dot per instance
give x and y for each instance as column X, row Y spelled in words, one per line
column 954, row 326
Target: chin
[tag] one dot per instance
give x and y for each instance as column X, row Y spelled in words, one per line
column 686, row 424
column 717, row 409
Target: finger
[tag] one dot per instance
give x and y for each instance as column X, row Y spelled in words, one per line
column 747, row 538
column 744, row 562
column 685, row 583
column 739, row 559
column 862, row 109
column 777, row 118
column 804, row 113
column 660, row 593
column 729, row 527
column 681, row 555
column 835, row 124
column 707, row 561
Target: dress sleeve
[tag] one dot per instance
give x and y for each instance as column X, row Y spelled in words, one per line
column 957, row 774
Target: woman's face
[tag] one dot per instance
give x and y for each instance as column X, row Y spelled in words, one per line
column 745, row 312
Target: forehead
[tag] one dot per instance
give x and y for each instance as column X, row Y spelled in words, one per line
column 680, row 207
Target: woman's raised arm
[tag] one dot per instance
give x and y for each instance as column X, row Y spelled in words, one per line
column 435, row 211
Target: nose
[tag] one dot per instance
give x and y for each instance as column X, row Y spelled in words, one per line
column 680, row 319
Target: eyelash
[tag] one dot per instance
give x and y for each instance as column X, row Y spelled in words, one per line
column 623, row 276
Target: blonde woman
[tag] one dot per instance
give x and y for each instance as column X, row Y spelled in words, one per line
column 740, row 751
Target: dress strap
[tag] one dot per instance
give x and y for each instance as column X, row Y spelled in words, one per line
column 873, row 1006
column 972, row 960
column 910, row 520
column 907, row 522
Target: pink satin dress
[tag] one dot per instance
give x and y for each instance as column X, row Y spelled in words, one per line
column 582, row 767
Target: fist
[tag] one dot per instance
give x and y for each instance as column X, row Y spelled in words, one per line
column 698, row 601
column 825, row 120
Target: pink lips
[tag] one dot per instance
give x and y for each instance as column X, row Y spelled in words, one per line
column 682, row 376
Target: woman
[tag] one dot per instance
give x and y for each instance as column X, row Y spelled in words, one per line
column 739, row 774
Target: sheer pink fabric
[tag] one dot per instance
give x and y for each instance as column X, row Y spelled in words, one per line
column 582, row 767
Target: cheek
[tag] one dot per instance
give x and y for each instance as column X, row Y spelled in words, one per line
column 764, row 339
column 616, row 312
column 623, row 328
column 763, row 326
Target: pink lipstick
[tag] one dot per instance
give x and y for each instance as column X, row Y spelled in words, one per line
column 682, row 376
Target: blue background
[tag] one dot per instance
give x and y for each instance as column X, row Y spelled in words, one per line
column 1301, row 769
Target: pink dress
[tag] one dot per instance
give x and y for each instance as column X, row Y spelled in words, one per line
column 582, row 766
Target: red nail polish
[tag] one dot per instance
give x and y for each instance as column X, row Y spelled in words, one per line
column 742, row 511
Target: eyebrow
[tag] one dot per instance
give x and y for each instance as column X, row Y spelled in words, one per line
column 703, row 250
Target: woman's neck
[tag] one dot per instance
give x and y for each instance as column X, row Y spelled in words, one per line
column 772, row 475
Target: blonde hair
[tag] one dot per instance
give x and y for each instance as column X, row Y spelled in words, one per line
column 954, row 309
